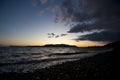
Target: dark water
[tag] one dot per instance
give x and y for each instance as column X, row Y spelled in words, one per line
column 27, row 59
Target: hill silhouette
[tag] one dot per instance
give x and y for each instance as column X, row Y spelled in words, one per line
column 113, row 44
column 58, row 45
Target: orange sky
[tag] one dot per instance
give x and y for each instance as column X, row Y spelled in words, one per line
column 38, row 43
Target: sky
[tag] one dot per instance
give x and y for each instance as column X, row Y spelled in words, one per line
column 73, row 22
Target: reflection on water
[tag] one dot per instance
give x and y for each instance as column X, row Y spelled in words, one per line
column 24, row 59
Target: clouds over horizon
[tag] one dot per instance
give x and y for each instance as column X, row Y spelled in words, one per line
column 93, row 15
column 86, row 16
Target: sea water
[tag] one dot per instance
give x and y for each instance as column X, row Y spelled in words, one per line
column 28, row 59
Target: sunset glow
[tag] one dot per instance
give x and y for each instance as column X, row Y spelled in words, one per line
column 40, row 22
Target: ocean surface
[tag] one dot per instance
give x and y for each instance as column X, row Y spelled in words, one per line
column 27, row 59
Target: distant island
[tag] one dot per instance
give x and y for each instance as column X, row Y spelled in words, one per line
column 58, row 45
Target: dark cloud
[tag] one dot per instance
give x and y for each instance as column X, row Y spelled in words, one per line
column 93, row 15
column 102, row 36
column 53, row 35
column 63, row 35
column 57, row 36
column 107, row 25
